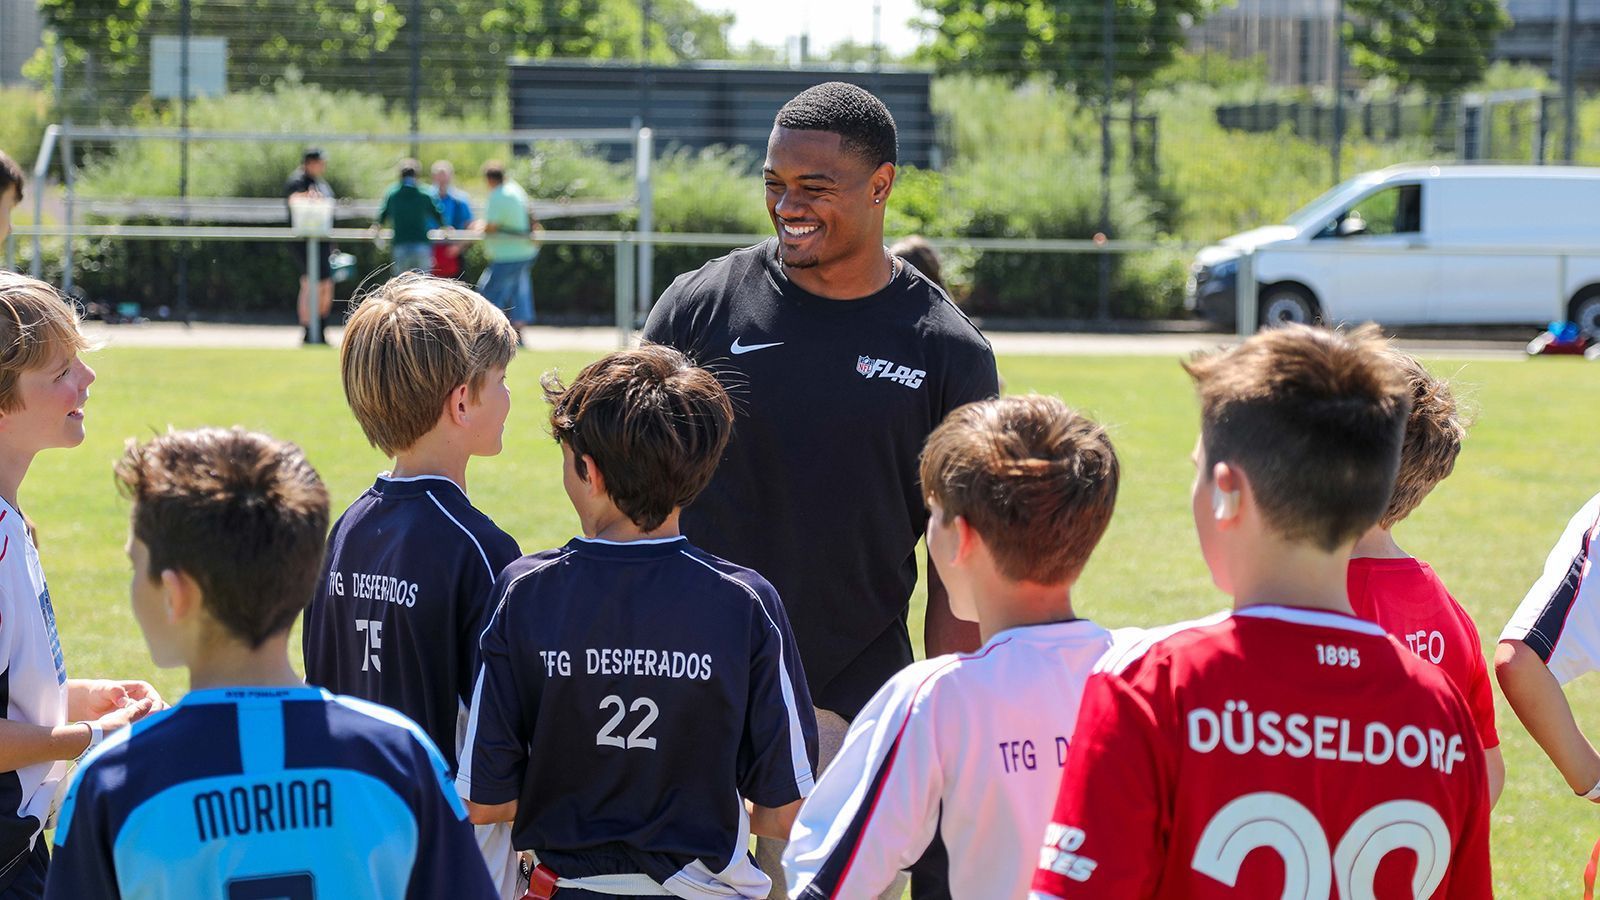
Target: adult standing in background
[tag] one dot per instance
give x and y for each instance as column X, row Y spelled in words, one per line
column 412, row 211
column 456, row 207
column 308, row 181
column 841, row 361
column 509, row 229
column 10, row 192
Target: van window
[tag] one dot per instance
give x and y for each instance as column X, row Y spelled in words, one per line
column 1395, row 210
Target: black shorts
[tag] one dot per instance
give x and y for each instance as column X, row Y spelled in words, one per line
column 297, row 252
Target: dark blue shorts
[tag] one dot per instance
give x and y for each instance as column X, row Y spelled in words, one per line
column 28, row 882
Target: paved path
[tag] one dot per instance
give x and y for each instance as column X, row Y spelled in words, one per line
column 597, row 340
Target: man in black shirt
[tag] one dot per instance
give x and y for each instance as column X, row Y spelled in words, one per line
column 840, row 360
column 308, row 181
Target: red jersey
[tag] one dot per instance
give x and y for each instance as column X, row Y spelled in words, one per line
column 1270, row 752
column 1408, row 600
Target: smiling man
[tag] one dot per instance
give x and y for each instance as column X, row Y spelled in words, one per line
column 840, row 360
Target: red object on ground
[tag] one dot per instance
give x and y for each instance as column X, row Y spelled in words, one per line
column 1547, row 344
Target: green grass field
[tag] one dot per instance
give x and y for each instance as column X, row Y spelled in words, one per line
column 1525, row 470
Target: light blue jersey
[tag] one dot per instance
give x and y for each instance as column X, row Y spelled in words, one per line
column 253, row 793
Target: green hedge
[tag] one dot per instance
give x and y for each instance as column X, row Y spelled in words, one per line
column 1015, row 188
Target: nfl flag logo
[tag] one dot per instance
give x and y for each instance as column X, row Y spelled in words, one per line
column 864, row 365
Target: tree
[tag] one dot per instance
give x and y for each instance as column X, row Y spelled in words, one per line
column 1440, row 46
column 366, row 45
column 1059, row 39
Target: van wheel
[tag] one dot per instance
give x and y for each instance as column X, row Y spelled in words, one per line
column 1585, row 310
column 1282, row 304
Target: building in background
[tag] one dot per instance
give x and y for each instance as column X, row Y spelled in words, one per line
column 1296, row 38
column 698, row 105
column 19, row 37
column 1535, row 37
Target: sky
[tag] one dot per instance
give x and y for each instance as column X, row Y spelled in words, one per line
column 775, row 22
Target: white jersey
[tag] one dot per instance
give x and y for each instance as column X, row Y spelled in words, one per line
column 969, row 746
column 33, row 680
column 1560, row 616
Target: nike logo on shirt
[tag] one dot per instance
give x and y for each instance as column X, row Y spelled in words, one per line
column 740, row 349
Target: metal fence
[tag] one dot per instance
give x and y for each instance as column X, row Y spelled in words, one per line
column 632, row 250
column 63, row 138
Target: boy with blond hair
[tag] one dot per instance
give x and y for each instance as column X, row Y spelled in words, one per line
column 1402, row 593
column 637, row 691
column 1286, row 725
column 411, row 563
column 969, row 747
column 254, row 785
column 49, row 718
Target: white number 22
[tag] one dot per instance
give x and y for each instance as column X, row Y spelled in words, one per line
column 605, row 738
column 1267, row 819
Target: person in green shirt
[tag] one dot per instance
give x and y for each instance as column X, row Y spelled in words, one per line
column 412, row 211
column 509, row 232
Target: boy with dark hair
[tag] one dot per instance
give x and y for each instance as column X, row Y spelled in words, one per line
column 10, row 191
column 1287, row 725
column 1402, row 593
column 637, row 691
column 411, row 564
column 412, row 210
column 254, row 785
column 1020, row 490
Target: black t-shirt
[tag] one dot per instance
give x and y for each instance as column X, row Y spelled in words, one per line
column 819, row 490
column 300, row 182
column 630, row 694
column 406, row 592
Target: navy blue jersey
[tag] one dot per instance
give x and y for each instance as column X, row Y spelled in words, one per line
column 630, row 695
column 249, row 793
column 409, row 574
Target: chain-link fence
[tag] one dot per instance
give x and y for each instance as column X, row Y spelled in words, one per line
column 1160, row 127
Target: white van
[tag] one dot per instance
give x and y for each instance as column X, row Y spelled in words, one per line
column 1424, row 244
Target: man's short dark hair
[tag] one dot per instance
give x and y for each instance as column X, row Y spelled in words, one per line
column 409, row 167
column 312, row 154
column 861, row 120
column 10, row 176
column 655, row 424
column 494, row 170
column 241, row 513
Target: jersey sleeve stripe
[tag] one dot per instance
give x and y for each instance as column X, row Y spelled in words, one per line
column 464, row 758
column 470, row 536
column 804, row 778
column 831, row 875
column 1545, row 632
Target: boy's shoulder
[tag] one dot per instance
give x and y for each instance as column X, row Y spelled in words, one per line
column 748, row 579
column 432, row 511
column 1306, row 650
column 519, row 570
column 13, row 540
column 214, row 734
column 1006, row 659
